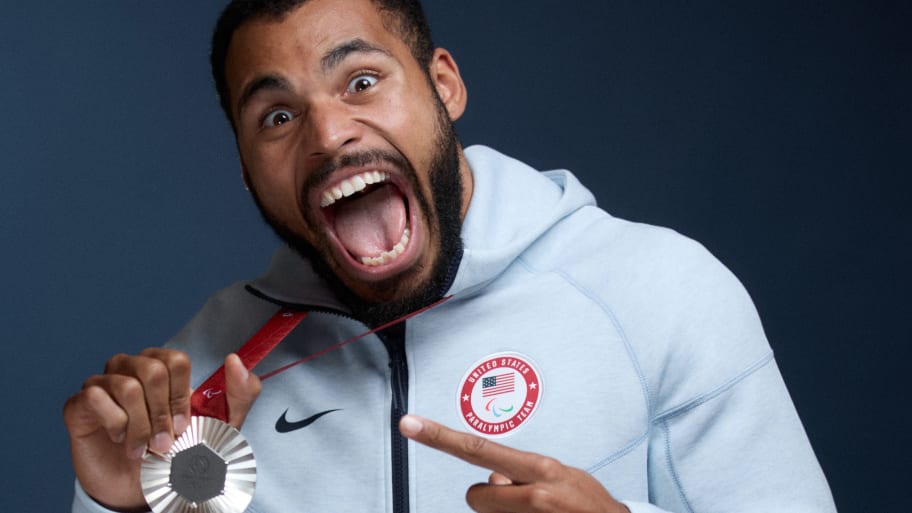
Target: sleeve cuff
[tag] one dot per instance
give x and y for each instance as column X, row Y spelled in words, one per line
column 82, row 503
column 642, row 507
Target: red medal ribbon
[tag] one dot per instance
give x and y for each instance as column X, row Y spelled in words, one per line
column 209, row 398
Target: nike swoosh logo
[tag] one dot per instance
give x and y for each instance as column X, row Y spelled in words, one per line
column 283, row 426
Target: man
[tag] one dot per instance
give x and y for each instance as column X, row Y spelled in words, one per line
column 618, row 366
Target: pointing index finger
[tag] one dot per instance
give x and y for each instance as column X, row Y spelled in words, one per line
column 518, row 466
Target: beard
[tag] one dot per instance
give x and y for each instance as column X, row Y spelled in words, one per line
column 442, row 215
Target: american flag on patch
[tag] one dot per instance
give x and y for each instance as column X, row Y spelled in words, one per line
column 496, row 385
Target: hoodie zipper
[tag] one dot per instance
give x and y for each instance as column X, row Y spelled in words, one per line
column 394, row 340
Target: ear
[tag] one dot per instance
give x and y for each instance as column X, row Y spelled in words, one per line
column 446, row 79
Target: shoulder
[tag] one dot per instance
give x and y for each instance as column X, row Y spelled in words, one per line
column 690, row 324
column 612, row 253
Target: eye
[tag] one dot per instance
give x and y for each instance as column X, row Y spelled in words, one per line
column 361, row 82
column 277, row 118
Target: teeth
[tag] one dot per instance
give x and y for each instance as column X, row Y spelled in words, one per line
column 388, row 256
column 349, row 186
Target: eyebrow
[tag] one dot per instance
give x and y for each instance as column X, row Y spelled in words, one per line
column 264, row 83
column 335, row 56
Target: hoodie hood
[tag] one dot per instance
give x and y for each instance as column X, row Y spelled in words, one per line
column 512, row 206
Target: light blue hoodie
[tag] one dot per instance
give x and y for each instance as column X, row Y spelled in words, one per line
column 648, row 362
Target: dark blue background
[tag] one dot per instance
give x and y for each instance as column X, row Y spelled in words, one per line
column 777, row 134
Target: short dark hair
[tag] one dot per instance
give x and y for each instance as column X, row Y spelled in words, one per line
column 404, row 18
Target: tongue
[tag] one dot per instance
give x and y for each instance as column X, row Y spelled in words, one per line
column 369, row 224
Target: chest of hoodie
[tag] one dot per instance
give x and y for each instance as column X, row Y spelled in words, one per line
column 589, row 393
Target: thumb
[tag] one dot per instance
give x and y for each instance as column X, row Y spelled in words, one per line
column 241, row 389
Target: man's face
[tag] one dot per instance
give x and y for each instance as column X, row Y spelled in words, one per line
column 348, row 147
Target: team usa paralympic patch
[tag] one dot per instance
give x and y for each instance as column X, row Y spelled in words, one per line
column 499, row 393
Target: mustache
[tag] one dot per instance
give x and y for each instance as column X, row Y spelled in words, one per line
column 361, row 158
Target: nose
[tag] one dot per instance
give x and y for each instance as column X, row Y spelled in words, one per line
column 330, row 127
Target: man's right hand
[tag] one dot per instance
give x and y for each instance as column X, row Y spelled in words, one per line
column 140, row 401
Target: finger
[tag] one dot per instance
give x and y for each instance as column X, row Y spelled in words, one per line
column 481, row 504
column 93, row 409
column 241, row 389
column 179, row 385
column 127, row 393
column 499, row 479
column 518, row 466
column 155, row 379
column 486, row 498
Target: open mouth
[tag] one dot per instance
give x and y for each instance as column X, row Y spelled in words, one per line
column 369, row 215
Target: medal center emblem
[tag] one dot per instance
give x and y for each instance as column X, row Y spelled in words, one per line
column 198, row 473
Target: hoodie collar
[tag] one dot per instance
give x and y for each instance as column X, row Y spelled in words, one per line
column 291, row 281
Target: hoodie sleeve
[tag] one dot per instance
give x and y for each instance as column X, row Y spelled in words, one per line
column 642, row 507
column 739, row 448
column 723, row 432
column 82, row 503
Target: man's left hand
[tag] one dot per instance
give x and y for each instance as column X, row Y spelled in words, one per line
column 521, row 482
